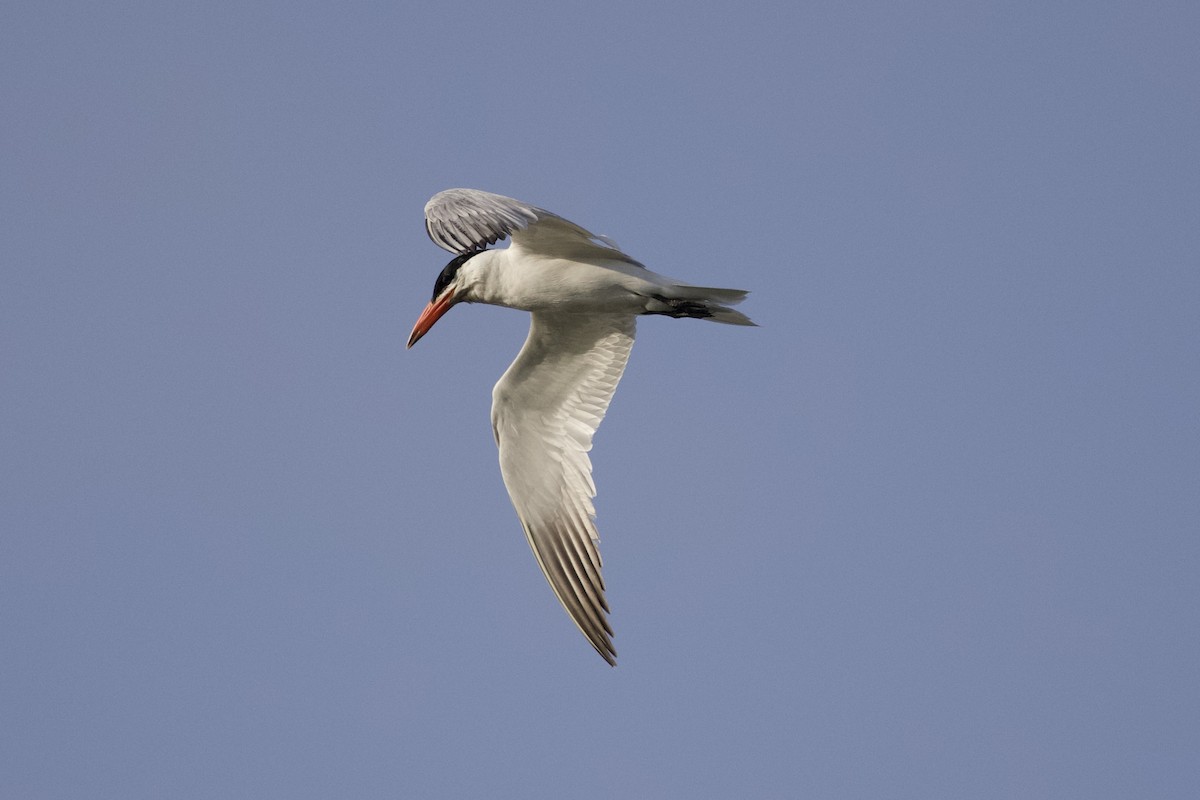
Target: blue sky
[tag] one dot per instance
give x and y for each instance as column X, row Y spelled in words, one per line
column 930, row 531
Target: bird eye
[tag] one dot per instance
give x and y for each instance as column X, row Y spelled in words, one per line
column 449, row 272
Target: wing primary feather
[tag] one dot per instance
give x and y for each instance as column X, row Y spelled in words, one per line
column 585, row 554
column 556, row 573
column 580, row 590
column 593, row 589
column 464, row 220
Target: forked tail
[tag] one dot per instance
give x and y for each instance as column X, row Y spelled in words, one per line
column 699, row 302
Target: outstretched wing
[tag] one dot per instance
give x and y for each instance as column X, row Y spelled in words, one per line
column 545, row 410
column 466, row 220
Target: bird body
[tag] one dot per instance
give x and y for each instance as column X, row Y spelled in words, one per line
column 584, row 296
column 529, row 280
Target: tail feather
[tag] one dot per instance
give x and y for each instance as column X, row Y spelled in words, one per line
column 729, row 297
column 729, row 317
column 699, row 302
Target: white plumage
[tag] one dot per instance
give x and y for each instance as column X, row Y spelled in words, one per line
column 584, row 296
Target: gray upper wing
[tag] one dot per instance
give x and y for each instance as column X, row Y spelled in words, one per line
column 466, row 220
column 463, row 220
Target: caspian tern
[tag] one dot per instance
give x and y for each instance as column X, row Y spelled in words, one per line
column 584, row 296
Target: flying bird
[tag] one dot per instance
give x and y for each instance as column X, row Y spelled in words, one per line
column 584, row 296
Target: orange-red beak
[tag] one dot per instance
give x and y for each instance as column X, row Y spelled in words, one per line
column 432, row 313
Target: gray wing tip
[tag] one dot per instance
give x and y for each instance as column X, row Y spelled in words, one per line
column 579, row 590
column 464, row 220
column 608, row 654
column 601, row 642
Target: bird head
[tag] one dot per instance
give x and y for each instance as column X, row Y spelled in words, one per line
column 449, row 288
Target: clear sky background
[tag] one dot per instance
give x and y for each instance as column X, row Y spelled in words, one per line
column 932, row 530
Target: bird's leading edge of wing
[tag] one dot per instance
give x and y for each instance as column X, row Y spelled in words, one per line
column 545, row 410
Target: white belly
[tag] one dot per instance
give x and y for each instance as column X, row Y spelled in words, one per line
column 554, row 284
